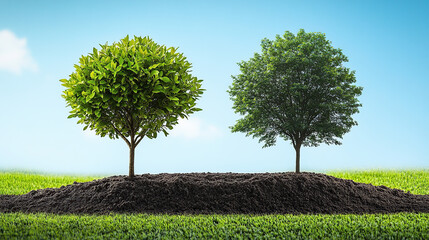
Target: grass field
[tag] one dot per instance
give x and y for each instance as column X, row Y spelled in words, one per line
column 414, row 181
column 15, row 183
column 143, row 226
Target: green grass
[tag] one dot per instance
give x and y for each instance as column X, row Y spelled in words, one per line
column 415, row 181
column 144, row 226
column 15, row 183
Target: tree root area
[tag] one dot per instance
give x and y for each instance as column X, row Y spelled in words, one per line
column 218, row 193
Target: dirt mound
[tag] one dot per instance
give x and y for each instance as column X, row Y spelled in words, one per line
column 222, row 193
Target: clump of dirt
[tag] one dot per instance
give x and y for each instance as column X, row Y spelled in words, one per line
column 222, row 193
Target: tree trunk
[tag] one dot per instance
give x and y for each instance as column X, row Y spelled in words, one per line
column 131, row 169
column 298, row 156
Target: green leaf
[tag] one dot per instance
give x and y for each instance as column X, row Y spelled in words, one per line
column 165, row 79
column 165, row 132
column 90, row 96
column 154, row 66
column 158, row 89
column 154, row 73
column 93, row 75
column 175, row 89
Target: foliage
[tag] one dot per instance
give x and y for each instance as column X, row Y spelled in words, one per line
column 143, row 226
column 135, row 81
column 414, row 181
column 298, row 89
column 132, row 89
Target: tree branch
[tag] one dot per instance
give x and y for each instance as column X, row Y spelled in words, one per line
column 120, row 134
column 139, row 138
column 124, row 115
column 293, row 141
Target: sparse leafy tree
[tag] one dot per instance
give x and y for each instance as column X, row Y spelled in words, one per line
column 296, row 89
column 132, row 89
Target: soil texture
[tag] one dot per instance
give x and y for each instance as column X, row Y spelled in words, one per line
column 221, row 193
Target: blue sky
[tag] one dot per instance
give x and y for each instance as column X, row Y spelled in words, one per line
column 40, row 41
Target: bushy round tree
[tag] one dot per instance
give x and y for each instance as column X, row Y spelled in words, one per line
column 132, row 89
column 297, row 89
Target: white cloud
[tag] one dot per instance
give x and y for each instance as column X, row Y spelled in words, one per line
column 195, row 128
column 14, row 54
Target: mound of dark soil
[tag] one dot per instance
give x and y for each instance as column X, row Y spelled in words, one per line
column 218, row 193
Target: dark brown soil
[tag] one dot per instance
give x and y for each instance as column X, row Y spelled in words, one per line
column 222, row 193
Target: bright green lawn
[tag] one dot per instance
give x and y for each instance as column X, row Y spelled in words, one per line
column 143, row 226
column 21, row 183
column 415, row 181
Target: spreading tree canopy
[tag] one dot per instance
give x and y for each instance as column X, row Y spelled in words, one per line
column 132, row 89
column 296, row 89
